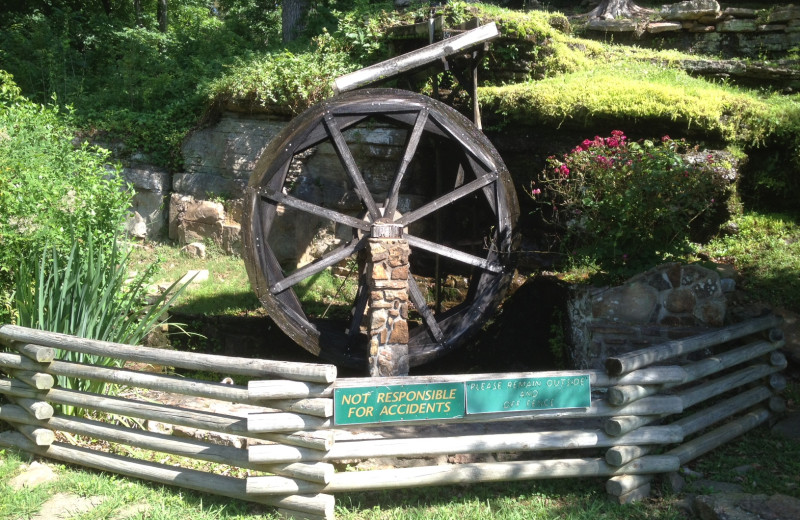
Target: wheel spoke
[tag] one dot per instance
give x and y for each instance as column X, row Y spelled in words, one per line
column 294, row 202
column 350, row 165
column 422, row 308
column 320, row 133
column 453, row 254
column 478, row 153
column 360, row 306
column 459, row 177
column 447, row 198
column 411, row 149
column 335, row 256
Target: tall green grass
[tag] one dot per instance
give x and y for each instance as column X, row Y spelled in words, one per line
column 88, row 293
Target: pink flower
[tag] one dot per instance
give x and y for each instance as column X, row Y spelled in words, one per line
column 665, row 138
column 536, row 191
column 618, row 134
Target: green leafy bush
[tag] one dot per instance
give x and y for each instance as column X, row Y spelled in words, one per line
column 87, row 293
column 629, row 204
column 49, row 187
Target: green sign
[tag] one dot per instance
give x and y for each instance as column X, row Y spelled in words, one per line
column 393, row 403
column 535, row 393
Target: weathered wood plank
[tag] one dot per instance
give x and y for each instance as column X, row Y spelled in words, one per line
column 190, row 360
column 36, row 408
column 390, row 204
column 597, row 378
column 431, row 446
column 447, row 198
column 350, row 166
column 720, row 362
column 35, row 352
column 620, row 455
column 38, row 436
column 634, row 495
column 400, row 478
column 648, row 356
column 294, row 202
column 704, row 418
column 415, row 59
column 453, row 254
column 284, row 422
column 126, row 407
column 271, row 389
column 623, row 484
column 621, row 425
column 624, row 394
column 37, row 380
column 715, row 438
column 168, row 475
column 700, row 393
column 332, row 258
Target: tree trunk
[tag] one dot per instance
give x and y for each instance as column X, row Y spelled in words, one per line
column 293, row 18
column 616, row 9
column 137, row 8
column 162, row 16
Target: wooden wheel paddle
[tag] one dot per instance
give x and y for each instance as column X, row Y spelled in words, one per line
column 446, row 186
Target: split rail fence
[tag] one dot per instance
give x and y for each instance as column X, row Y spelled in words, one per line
column 721, row 384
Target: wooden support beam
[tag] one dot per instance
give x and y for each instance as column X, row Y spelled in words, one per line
column 314, row 503
column 416, row 60
column 715, row 438
column 621, row 455
column 190, row 360
column 657, row 353
column 431, row 446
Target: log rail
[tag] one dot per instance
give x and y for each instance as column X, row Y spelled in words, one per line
column 291, row 439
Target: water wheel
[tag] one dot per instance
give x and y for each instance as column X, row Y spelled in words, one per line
column 359, row 157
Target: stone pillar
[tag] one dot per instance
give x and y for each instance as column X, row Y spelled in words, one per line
column 388, row 306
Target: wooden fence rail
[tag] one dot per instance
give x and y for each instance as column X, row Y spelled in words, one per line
column 287, row 435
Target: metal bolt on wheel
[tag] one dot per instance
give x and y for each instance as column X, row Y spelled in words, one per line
column 399, row 159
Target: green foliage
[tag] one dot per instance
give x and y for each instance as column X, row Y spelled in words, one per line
column 284, row 81
column 87, row 293
column 766, row 253
column 628, row 204
column 49, row 187
column 128, row 81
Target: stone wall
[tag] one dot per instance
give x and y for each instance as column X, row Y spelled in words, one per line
column 706, row 27
column 668, row 302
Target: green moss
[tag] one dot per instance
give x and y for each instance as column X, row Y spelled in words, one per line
column 643, row 92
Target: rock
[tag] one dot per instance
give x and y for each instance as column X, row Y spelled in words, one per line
column 737, row 25
column 33, row 475
column 66, row 505
column 194, row 250
column 220, row 158
column 740, row 12
column 690, row 10
column 194, row 276
column 659, row 27
column 148, row 216
column 630, row 303
column 743, row 506
column 623, row 25
column 713, row 487
column 788, row 427
column 150, row 179
column 783, row 14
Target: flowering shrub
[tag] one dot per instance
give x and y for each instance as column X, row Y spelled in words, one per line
column 633, row 203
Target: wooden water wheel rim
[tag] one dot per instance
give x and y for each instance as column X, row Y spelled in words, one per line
column 422, row 116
